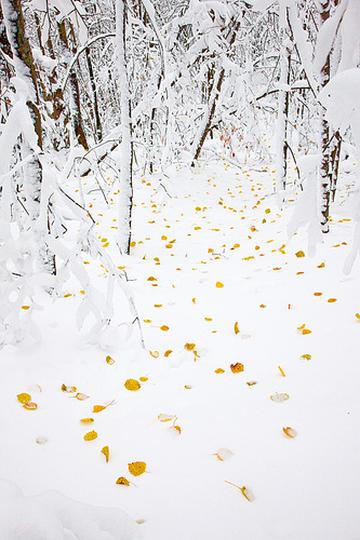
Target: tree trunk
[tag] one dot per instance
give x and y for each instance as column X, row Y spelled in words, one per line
column 325, row 173
column 127, row 152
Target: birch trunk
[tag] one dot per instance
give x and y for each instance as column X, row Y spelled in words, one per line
column 127, row 153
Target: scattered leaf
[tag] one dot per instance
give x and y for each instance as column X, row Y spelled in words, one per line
column 81, row 397
column 219, row 370
column 154, row 354
column 279, row 397
column 98, row 408
column 90, row 436
column 300, row 254
column 105, row 450
column 237, row 367
column 132, row 385
column 23, row 398
column 167, row 353
column 30, row 406
column 68, row 389
column 86, row 420
column 189, row 346
column 109, row 360
column 283, row 374
column 223, row 453
column 305, row 356
column 136, row 468
column 122, row 481
column 236, row 327
column 244, row 491
column 219, row 285
column 164, row 328
column 289, row 432
column 332, row 300
column 177, row 428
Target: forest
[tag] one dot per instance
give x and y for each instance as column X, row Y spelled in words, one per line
column 179, row 269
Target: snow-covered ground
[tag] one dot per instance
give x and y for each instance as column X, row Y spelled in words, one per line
column 213, row 254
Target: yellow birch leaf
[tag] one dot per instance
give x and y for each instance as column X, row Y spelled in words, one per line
column 167, row 353
column 189, row 346
column 300, row 254
column 332, row 300
column 237, row 367
column 305, row 356
column 219, row 285
column 109, row 360
column 164, row 328
column 25, row 308
column 90, row 436
column 143, row 379
column 105, row 450
column 132, row 385
column 289, row 432
column 305, row 331
column 86, row 420
column 219, row 370
column 177, row 428
column 122, row 481
column 98, row 408
column 136, row 468
column 23, row 398
column 251, row 383
column 357, row 316
column 236, row 327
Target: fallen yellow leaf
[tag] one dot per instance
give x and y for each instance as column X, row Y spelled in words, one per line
column 122, row 481
column 23, row 398
column 238, row 367
column 136, row 468
column 90, row 436
column 105, row 450
column 132, row 385
column 289, row 432
column 236, row 327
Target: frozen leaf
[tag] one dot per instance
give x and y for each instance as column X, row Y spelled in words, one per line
column 86, row 420
column 81, row 397
column 68, row 389
column 41, row 440
column 132, row 385
column 90, row 436
column 236, row 327
column 30, row 406
column 105, row 450
column 223, row 453
column 122, row 481
column 109, row 360
column 23, row 398
column 279, row 397
column 237, row 367
column 289, row 432
column 136, row 468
